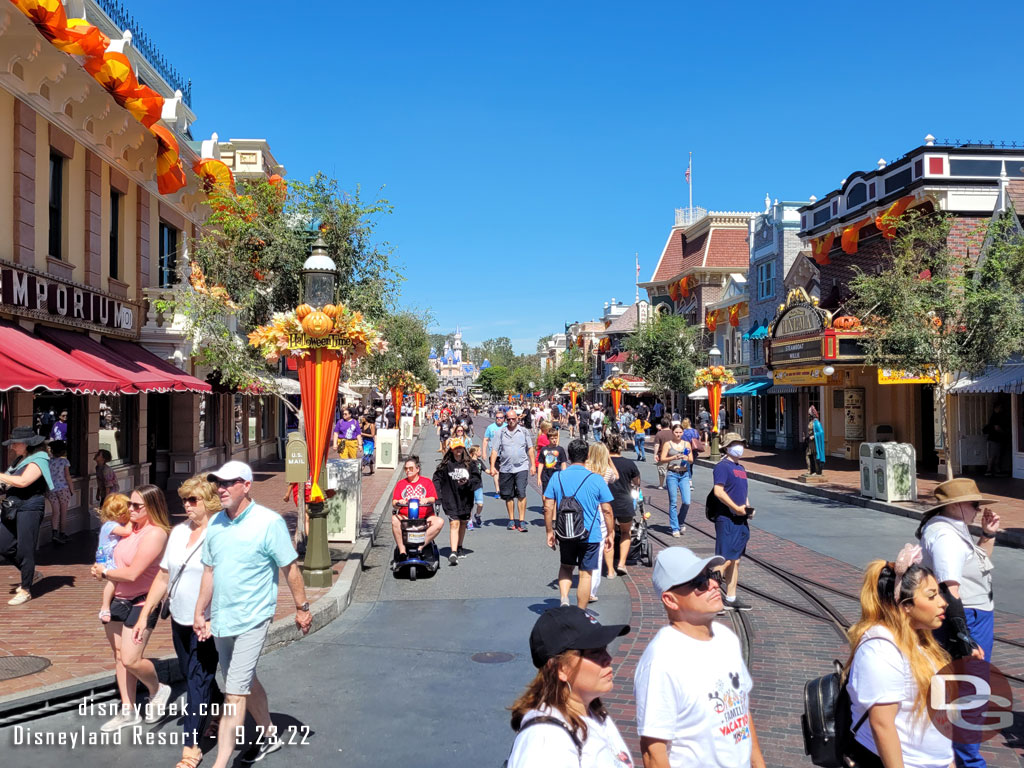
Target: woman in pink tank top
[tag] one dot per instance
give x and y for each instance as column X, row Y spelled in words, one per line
column 137, row 561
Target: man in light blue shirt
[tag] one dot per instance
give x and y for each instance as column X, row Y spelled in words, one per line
column 245, row 546
column 594, row 496
column 489, row 435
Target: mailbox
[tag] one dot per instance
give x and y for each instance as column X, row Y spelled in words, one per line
column 296, row 460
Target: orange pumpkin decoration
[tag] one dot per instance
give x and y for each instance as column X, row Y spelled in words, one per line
column 330, row 310
column 317, row 324
column 846, row 323
column 936, row 323
column 303, row 311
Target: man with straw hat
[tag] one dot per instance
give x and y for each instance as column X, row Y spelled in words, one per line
column 963, row 568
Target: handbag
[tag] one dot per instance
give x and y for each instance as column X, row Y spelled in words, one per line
column 165, row 604
column 9, row 506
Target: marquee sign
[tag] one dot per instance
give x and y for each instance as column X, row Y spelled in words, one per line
column 26, row 292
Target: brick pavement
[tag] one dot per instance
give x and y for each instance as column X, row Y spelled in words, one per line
column 786, row 648
column 60, row 622
column 843, row 476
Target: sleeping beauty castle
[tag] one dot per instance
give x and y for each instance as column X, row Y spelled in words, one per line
column 452, row 371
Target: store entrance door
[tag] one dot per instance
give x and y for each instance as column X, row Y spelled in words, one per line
column 159, row 438
column 928, row 459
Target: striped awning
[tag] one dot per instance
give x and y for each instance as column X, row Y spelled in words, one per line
column 1006, row 378
column 752, row 387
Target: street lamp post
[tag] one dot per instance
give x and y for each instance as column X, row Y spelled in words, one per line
column 318, row 278
column 714, row 400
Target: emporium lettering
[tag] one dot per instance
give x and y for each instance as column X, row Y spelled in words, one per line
column 68, row 302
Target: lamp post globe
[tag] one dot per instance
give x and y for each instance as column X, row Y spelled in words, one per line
column 714, row 355
column 319, row 274
column 616, row 370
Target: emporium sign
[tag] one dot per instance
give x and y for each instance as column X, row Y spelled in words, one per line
column 28, row 293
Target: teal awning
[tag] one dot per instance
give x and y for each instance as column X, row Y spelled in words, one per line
column 750, row 334
column 752, row 387
column 761, row 332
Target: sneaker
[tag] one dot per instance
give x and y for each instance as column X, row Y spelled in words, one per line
column 269, row 743
column 478, row 521
column 453, row 559
column 20, row 596
column 128, row 717
column 564, row 603
column 676, row 534
column 463, row 553
column 523, row 527
column 682, row 529
column 511, row 525
column 157, row 706
column 593, row 599
column 469, row 525
column 736, row 605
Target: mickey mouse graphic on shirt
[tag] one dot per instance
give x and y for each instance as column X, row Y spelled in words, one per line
column 730, row 704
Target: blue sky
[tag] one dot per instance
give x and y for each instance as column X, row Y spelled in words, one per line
column 530, row 149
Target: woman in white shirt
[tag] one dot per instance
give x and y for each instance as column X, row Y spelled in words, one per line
column 890, row 669
column 181, row 572
column 559, row 720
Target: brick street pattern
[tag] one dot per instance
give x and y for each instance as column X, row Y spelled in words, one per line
column 60, row 622
column 786, row 648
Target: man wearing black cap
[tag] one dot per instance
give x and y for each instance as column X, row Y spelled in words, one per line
column 691, row 686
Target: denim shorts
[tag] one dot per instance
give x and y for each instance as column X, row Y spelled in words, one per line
column 478, row 496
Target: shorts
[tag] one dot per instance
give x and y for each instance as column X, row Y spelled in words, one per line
column 577, row 553
column 478, row 497
column 731, row 537
column 238, row 657
column 622, row 517
column 512, row 485
column 59, row 495
column 128, row 610
column 461, row 516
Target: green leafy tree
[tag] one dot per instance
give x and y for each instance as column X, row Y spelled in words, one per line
column 571, row 362
column 521, row 376
column 665, row 352
column 942, row 311
column 408, row 348
column 247, row 264
column 499, row 351
column 494, row 380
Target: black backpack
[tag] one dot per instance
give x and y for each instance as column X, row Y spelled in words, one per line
column 826, row 719
column 569, row 515
column 713, row 506
column 549, row 720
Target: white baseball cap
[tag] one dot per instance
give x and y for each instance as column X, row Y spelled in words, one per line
column 677, row 565
column 233, row 470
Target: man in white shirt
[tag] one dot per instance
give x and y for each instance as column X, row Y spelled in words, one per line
column 691, row 686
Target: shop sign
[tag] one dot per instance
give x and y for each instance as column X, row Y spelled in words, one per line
column 799, row 320
column 807, row 376
column 799, row 350
column 26, row 292
column 296, row 461
column 853, row 413
column 896, row 376
column 331, row 341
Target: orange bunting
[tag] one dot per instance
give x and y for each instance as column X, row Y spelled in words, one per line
column 711, row 320
column 684, row 287
column 170, row 175
column 145, row 105
column 887, row 222
column 734, row 315
column 215, row 174
column 81, row 39
column 319, row 372
column 851, row 235
column 820, row 247
column 673, row 291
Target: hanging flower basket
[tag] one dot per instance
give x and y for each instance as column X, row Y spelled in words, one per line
column 333, row 327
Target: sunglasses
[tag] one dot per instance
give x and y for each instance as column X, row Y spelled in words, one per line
column 411, row 469
column 703, row 582
column 227, row 483
column 136, row 505
column 193, row 500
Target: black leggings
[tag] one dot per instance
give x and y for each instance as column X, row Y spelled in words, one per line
column 18, row 537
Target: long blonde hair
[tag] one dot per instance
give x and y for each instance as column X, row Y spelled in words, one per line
column 599, row 461
column 878, row 607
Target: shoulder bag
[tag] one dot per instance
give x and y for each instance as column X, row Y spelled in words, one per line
column 165, row 604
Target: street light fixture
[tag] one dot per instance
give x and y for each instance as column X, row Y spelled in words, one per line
column 715, row 355
column 715, row 358
column 318, row 276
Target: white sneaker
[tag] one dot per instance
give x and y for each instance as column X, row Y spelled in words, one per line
column 128, row 717
column 157, row 706
column 20, row 596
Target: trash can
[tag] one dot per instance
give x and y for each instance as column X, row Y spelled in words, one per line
column 894, row 472
column 867, row 451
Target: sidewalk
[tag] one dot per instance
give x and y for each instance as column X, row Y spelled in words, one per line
column 842, row 483
column 60, row 624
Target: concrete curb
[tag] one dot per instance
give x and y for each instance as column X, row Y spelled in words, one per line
column 101, row 686
column 1014, row 539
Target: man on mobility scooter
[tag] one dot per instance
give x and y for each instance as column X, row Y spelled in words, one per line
column 414, row 524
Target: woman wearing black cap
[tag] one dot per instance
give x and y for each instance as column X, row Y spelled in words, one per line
column 27, row 481
column 560, row 720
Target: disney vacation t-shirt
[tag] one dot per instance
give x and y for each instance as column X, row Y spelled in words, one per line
column 549, row 745
column 695, row 695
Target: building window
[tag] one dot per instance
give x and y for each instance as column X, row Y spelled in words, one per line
column 116, row 426
column 208, row 420
column 237, row 425
column 168, row 265
column 267, row 412
column 46, row 411
column 252, row 419
column 115, row 234
column 56, row 206
column 765, row 280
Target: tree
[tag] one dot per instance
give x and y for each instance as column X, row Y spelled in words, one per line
column 247, row 264
column 494, row 380
column 408, row 348
column 499, row 351
column 571, row 362
column 664, row 353
column 936, row 310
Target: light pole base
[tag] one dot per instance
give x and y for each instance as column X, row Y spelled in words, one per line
column 715, row 454
column 316, row 567
column 319, row 578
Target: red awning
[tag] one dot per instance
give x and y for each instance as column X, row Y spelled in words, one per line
column 27, row 362
column 177, row 380
column 92, row 354
column 620, row 357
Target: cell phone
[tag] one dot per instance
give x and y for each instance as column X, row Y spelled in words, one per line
column 750, row 511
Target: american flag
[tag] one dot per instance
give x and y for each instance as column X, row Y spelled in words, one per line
column 687, row 175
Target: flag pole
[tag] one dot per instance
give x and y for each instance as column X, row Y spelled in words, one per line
column 689, row 180
column 637, row 283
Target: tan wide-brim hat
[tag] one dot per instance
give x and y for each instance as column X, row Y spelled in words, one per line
column 729, row 438
column 955, row 491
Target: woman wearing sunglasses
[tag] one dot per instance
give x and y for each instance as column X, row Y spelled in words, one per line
column 181, row 572
column 559, row 720
column 137, row 562
column 963, row 567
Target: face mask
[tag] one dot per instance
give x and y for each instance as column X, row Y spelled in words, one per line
column 735, row 450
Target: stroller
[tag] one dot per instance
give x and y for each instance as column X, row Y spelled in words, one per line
column 418, row 557
column 639, row 541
